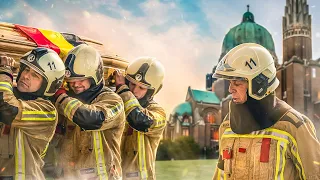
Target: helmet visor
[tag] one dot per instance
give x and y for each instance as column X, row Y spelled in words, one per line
column 220, row 76
column 129, row 78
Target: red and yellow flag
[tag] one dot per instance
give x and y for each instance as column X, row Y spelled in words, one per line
column 49, row 39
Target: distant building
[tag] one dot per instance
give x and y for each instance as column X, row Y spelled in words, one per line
column 198, row 117
column 299, row 75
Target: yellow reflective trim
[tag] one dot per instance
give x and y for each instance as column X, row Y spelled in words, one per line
column 142, row 156
column 20, row 166
column 160, row 121
column 5, row 86
column 102, row 154
column 38, row 115
column 131, row 103
column 71, row 108
column 98, row 149
column 39, row 119
column 70, row 105
column 315, row 162
column 219, row 173
column 295, row 154
column 67, row 106
column 257, row 136
column 284, row 160
column 95, row 151
column 38, row 112
column 6, row 83
column 278, row 160
column 43, row 154
column 116, row 109
column 5, row 89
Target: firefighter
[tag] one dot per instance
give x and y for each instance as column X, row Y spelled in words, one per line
column 262, row 137
column 146, row 120
column 27, row 118
column 93, row 119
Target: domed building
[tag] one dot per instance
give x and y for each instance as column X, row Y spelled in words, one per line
column 248, row 32
column 201, row 117
column 298, row 74
column 198, row 117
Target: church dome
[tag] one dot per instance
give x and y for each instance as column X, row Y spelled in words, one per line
column 183, row 109
column 248, row 32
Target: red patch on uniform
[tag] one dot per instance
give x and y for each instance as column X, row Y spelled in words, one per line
column 242, row 150
column 265, row 149
column 129, row 131
column 227, row 153
column 6, row 129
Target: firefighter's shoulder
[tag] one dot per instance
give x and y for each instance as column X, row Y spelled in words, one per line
column 294, row 117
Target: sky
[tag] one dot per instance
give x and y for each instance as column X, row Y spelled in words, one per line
column 184, row 35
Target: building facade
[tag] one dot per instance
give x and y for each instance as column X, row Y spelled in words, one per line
column 298, row 73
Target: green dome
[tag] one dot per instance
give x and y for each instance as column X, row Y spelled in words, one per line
column 248, row 32
column 183, row 109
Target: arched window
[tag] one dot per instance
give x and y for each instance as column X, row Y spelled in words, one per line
column 185, row 121
column 210, row 118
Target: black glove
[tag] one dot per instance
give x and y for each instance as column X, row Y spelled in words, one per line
column 139, row 121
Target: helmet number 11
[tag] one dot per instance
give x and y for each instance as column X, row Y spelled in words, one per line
column 52, row 65
column 251, row 62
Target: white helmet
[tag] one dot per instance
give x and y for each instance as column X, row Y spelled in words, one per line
column 48, row 64
column 147, row 72
column 83, row 62
column 253, row 63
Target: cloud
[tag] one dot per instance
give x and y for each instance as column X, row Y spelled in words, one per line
column 162, row 30
column 186, row 55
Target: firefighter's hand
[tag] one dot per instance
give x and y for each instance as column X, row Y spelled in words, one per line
column 7, row 61
column 120, row 79
column 60, row 91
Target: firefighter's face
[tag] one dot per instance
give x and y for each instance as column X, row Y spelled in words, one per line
column 79, row 86
column 29, row 81
column 238, row 90
column 137, row 90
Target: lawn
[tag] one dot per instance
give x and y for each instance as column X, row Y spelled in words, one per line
column 185, row 169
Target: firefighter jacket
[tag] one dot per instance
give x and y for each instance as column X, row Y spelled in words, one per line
column 289, row 149
column 27, row 126
column 90, row 147
column 138, row 148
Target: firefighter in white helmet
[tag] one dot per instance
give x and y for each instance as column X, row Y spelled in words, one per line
column 262, row 137
column 27, row 118
column 146, row 120
column 93, row 119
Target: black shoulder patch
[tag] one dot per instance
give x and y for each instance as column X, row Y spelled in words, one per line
column 294, row 118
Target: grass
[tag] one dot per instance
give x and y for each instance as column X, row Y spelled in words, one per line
column 185, row 169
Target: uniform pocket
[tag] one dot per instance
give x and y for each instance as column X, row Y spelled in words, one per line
column 242, row 153
column 264, row 157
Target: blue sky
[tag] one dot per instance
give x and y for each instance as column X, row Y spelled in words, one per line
column 185, row 35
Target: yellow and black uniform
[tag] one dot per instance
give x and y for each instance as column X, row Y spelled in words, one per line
column 93, row 121
column 28, row 120
column 26, row 130
column 287, row 148
column 142, row 134
column 91, row 145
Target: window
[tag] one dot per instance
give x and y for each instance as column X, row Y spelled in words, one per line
column 314, row 75
column 185, row 132
column 210, row 118
column 215, row 134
